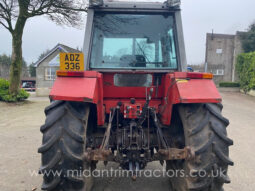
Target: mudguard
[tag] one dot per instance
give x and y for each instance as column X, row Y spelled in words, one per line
column 181, row 90
column 197, row 91
column 75, row 89
column 83, row 89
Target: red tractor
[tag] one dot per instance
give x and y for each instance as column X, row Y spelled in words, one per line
column 131, row 101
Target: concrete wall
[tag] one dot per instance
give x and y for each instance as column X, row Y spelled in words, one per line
column 43, row 86
column 220, row 61
column 231, row 47
column 4, row 71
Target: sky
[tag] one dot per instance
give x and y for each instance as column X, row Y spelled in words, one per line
column 199, row 17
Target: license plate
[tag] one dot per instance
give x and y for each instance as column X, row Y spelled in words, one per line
column 71, row 62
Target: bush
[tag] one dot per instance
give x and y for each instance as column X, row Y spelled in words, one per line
column 4, row 86
column 246, row 70
column 5, row 96
column 229, row 84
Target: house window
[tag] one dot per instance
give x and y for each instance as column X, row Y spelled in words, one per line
column 219, row 51
column 218, row 72
column 50, row 73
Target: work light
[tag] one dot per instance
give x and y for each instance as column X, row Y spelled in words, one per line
column 173, row 3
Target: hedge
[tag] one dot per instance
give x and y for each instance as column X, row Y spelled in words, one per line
column 246, row 70
column 229, row 84
column 5, row 96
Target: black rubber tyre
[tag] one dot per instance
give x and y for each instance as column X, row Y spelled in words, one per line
column 63, row 145
column 205, row 132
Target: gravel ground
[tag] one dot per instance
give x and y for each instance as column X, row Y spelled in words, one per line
column 20, row 137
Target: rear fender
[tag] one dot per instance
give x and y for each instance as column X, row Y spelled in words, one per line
column 180, row 90
column 82, row 89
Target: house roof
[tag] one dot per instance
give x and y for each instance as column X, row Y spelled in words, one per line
column 61, row 47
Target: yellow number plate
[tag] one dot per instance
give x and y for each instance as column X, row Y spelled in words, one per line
column 71, row 62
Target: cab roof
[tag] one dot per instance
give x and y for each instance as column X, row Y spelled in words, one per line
column 134, row 5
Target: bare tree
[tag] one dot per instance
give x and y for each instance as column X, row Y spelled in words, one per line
column 14, row 15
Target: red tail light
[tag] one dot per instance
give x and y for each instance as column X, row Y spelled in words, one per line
column 70, row 73
column 197, row 75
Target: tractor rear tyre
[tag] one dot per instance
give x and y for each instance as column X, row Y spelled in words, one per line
column 63, row 145
column 205, row 133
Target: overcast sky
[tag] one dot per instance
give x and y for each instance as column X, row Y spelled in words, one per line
column 199, row 17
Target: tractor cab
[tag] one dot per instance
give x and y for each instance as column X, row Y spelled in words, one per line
column 134, row 36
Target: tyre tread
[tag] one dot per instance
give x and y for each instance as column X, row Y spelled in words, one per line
column 57, row 134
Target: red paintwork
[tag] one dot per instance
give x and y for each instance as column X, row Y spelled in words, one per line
column 111, row 91
column 132, row 111
column 84, row 89
column 66, row 88
column 110, row 103
column 197, row 91
column 99, row 89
